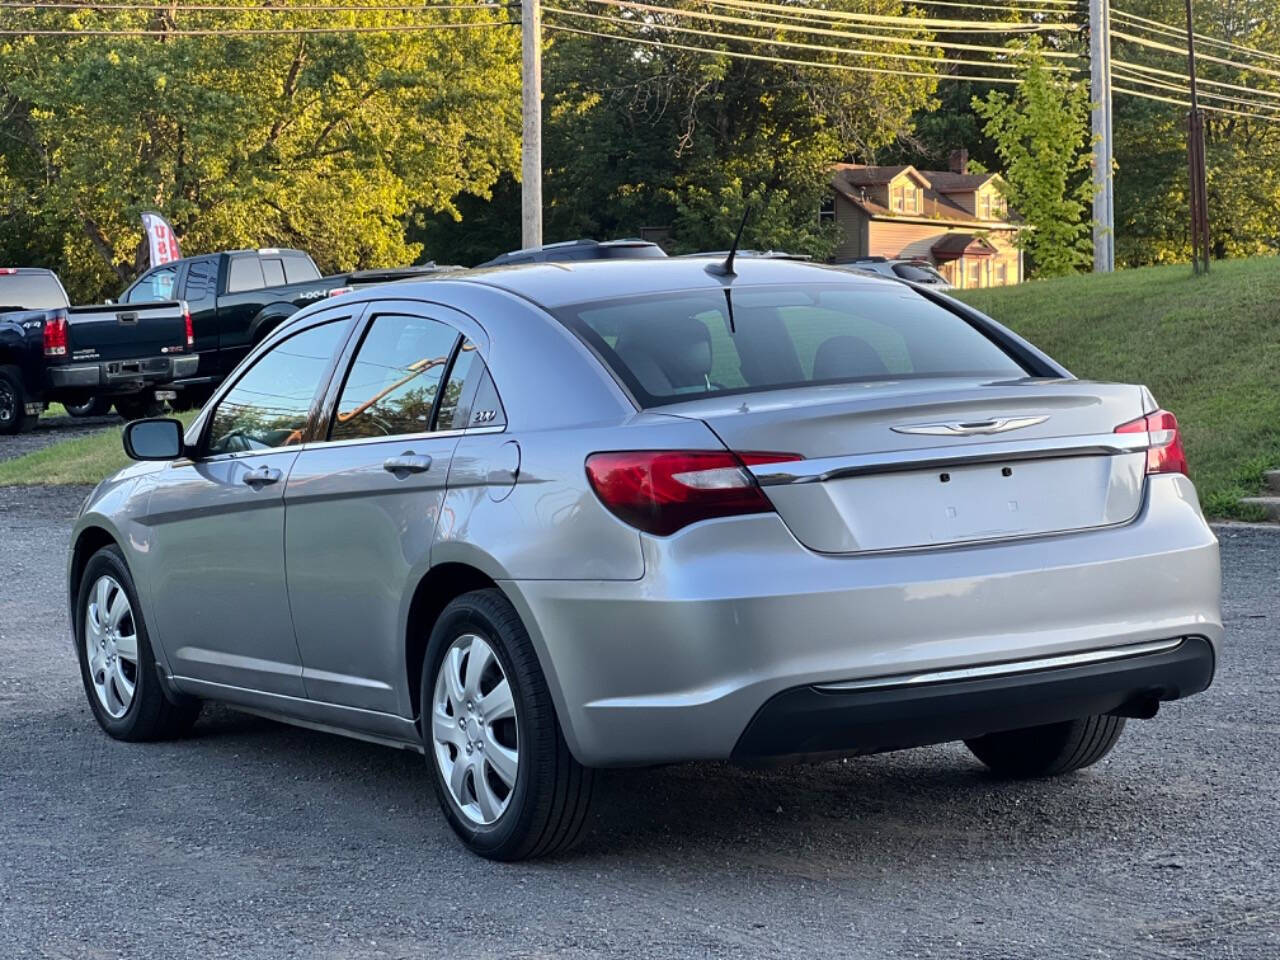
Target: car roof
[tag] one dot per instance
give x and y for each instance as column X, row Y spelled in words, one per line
column 554, row 285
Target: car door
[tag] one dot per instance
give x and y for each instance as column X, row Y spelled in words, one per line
column 362, row 504
column 199, row 288
column 220, row 601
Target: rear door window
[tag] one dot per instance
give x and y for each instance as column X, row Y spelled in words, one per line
column 272, row 271
column 394, row 381
column 676, row 346
column 246, row 274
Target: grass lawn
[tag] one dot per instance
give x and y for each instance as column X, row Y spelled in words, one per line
column 82, row 460
column 1208, row 347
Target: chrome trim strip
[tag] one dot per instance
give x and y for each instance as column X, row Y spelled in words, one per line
column 402, row 437
column 901, row 461
column 964, row 428
column 1002, row 669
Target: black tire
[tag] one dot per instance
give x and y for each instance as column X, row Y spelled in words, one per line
column 151, row 715
column 1050, row 750
column 13, row 403
column 93, row 407
column 139, row 406
column 547, row 807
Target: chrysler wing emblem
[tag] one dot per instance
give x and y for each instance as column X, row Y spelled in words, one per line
column 964, row 428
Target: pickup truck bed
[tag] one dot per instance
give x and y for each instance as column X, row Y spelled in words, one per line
column 56, row 352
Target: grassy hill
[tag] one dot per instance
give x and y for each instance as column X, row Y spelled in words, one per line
column 1208, row 347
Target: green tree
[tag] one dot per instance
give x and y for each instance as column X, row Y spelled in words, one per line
column 329, row 142
column 1042, row 138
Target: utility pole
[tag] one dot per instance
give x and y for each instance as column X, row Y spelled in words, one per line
column 1196, row 164
column 1104, row 218
column 531, row 128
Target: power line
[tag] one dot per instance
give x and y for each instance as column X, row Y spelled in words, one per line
column 1157, row 71
column 1184, row 103
column 980, row 26
column 872, row 19
column 1131, row 77
column 1181, row 51
column 818, row 31
column 768, row 41
column 1155, row 26
column 779, row 60
column 265, row 31
column 93, row 7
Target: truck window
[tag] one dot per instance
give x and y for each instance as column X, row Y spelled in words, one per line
column 273, row 271
column 298, row 269
column 202, row 280
column 246, row 274
column 31, row 291
column 154, row 287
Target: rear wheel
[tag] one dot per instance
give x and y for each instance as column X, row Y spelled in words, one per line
column 139, row 406
column 1049, row 750
column 13, row 403
column 117, row 664
column 503, row 774
column 93, row 407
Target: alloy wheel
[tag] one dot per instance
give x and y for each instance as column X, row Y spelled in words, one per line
column 111, row 646
column 473, row 729
column 8, row 403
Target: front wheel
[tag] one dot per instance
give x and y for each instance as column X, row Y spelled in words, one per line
column 117, row 664
column 1048, row 750
column 502, row 771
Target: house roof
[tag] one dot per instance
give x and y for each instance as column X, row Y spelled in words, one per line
column 850, row 180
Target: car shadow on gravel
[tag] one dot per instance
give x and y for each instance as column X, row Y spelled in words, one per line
column 925, row 803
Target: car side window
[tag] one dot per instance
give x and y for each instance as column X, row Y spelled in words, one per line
column 245, row 274
column 392, row 385
column 299, row 269
column 156, row 286
column 202, row 280
column 269, row 405
column 273, row 271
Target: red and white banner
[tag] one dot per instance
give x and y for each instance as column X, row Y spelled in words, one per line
column 164, row 245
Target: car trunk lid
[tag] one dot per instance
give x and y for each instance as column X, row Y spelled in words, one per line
column 905, row 464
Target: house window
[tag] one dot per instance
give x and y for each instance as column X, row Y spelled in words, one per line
column 1002, row 274
column 912, row 200
column 984, row 207
column 827, row 212
column 898, row 198
column 974, row 273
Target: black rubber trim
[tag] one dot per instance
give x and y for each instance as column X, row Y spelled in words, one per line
column 805, row 721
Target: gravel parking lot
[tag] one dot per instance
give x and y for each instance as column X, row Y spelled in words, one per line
column 258, row 840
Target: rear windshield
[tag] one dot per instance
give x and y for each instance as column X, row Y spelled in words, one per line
column 678, row 346
column 31, row 291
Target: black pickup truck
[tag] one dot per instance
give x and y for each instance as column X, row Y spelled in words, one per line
column 84, row 357
column 236, row 298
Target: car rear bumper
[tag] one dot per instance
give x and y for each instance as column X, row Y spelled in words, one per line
column 120, row 375
column 730, row 614
column 917, row 709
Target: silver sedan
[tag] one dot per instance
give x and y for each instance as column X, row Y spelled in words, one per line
column 539, row 520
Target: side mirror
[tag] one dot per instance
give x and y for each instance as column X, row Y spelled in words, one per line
column 156, row 439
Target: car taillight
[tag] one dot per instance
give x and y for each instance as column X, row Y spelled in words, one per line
column 186, row 319
column 1166, row 454
column 662, row 491
column 55, row 336
column 8, row 271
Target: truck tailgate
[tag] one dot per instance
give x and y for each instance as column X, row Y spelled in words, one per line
column 127, row 331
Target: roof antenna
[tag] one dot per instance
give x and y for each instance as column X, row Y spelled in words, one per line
column 726, row 269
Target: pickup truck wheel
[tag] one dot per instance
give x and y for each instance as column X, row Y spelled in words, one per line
column 117, row 664
column 13, row 403
column 503, row 774
column 139, row 407
column 1049, row 750
column 93, row 407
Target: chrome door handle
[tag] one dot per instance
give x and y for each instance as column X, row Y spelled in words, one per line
column 407, row 463
column 262, row 477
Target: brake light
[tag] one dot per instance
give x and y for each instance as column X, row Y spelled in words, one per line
column 55, row 336
column 339, row 291
column 186, row 319
column 8, row 271
column 1166, row 453
column 662, row 491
